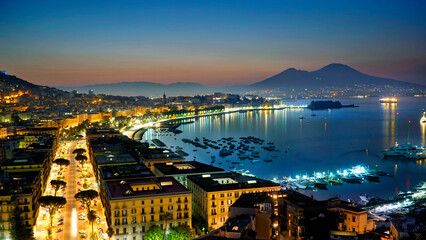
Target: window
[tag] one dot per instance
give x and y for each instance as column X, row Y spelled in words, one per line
column 170, row 225
column 143, row 228
column 221, row 202
column 152, row 210
column 143, row 219
column 152, row 218
column 170, row 200
column 161, row 200
column 222, row 195
column 229, row 194
column 229, row 201
column 143, row 210
column 134, row 229
column 353, row 219
column 170, row 207
column 133, row 211
column 124, row 221
column 152, row 201
column 237, row 194
column 124, row 212
column 117, row 231
column 124, row 231
column 133, row 220
column 161, row 209
column 117, row 221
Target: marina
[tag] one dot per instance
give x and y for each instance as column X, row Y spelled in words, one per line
column 303, row 146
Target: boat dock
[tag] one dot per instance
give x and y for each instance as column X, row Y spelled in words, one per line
column 320, row 180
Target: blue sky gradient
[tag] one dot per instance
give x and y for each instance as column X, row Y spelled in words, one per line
column 212, row 42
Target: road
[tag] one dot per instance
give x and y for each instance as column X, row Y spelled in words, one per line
column 72, row 227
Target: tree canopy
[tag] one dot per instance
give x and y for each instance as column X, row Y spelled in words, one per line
column 154, row 233
column 79, row 151
column 62, row 162
column 86, row 197
column 181, row 232
column 52, row 203
column 91, row 216
column 18, row 230
column 56, row 184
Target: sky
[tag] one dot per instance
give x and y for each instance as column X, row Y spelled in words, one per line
column 216, row 43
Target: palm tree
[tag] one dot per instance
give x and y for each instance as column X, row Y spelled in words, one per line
column 91, row 216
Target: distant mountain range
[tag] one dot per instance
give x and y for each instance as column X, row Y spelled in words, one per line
column 148, row 89
column 332, row 75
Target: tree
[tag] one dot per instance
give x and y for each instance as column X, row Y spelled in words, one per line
column 181, row 232
column 166, row 217
column 18, row 230
column 62, row 162
column 52, row 203
column 110, row 233
column 86, row 197
column 154, row 233
column 91, row 216
column 79, row 151
column 56, row 184
column 81, row 159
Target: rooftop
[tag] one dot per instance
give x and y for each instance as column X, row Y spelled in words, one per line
column 27, row 157
column 229, row 181
column 299, row 199
column 115, row 159
column 184, row 168
column 18, row 182
column 102, row 131
column 146, row 187
column 249, row 200
column 120, row 172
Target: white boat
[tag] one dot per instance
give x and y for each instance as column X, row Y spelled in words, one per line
column 405, row 150
column 423, row 119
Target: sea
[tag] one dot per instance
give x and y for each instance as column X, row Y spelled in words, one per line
column 323, row 141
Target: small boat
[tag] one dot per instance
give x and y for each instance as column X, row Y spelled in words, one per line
column 423, row 119
column 267, row 160
column 372, row 178
column 352, row 179
column 301, row 117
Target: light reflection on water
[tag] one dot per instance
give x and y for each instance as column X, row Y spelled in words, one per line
column 329, row 141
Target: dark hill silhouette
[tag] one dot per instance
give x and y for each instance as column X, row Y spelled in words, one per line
column 332, row 75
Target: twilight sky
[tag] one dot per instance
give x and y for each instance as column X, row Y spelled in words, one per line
column 73, row 43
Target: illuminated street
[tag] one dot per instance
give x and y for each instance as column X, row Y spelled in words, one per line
column 74, row 224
